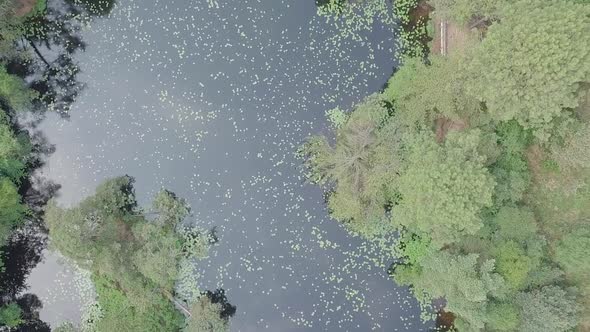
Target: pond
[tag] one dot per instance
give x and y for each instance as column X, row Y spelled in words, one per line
column 210, row 99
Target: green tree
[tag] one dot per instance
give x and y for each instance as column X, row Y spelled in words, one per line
column 549, row 309
column 134, row 261
column 362, row 165
column 444, row 188
column 124, row 311
column 10, row 315
column 465, row 11
column 158, row 254
column 423, row 92
column 574, row 151
column 205, row 316
column 13, row 91
column 518, row 79
column 12, row 211
column 465, row 284
column 14, row 151
column 66, row 327
column 572, row 252
column 502, row 316
column 513, row 223
column 510, row 168
column 513, row 263
column 170, row 209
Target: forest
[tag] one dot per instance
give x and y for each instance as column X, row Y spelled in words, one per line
column 473, row 160
column 475, row 157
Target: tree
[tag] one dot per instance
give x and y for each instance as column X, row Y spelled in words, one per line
column 502, row 316
column 510, row 168
column 12, row 211
column 464, row 283
column 422, row 92
column 15, row 151
column 362, row 166
column 13, row 91
column 158, row 254
column 443, row 188
column 572, row 252
column 139, row 309
column 207, row 316
column 464, row 11
column 573, row 152
column 134, row 262
column 10, row 315
column 519, row 80
column 170, row 209
column 66, row 327
column 549, row 309
column 513, row 223
column 513, row 263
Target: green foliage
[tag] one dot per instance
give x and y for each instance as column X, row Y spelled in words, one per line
column 70, row 231
column 158, row 254
column 187, row 288
column 513, row 263
column 13, row 91
column 402, row 9
column 463, row 11
column 574, row 152
column 14, row 152
column 12, row 211
column 444, row 188
column 120, row 312
column 10, row 315
column 423, row 92
column 195, row 242
column 549, row 309
column 518, row 79
column 361, row 165
column 518, row 249
column 465, row 283
column 514, row 223
column 169, row 208
column 510, row 169
column 10, row 28
column 115, row 196
column 205, row 317
column 502, row 316
column 459, row 198
column 134, row 262
column 413, row 248
column 66, row 327
column 572, row 252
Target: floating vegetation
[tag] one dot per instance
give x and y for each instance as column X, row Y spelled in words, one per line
column 211, row 100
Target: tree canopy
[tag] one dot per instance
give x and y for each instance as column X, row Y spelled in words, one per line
column 134, row 262
column 432, row 172
column 517, row 78
column 480, row 162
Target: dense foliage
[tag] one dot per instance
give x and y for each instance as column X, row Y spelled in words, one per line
column 479, row 161
column 134, row 261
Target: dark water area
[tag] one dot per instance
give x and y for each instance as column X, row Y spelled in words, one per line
column 210, row 99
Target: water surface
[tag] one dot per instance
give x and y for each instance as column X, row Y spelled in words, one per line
column 210, row 99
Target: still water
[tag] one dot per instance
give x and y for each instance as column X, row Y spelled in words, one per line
column 210, row 99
